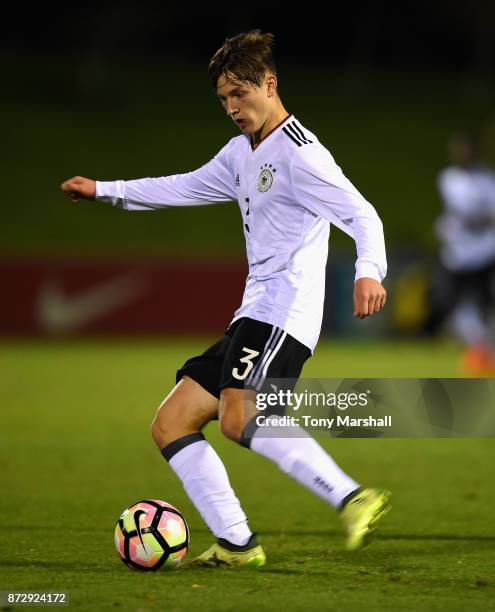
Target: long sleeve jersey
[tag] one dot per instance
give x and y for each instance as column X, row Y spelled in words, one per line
column 289, row 190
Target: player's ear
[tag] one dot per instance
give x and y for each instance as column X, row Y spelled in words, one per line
column 271, row 84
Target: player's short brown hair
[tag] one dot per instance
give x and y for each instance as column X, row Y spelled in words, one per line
column 246, row 57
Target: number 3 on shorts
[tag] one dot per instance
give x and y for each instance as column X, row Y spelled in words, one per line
column 248, row 360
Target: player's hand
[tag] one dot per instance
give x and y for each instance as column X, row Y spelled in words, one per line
column 79, row 187
column 369, row 297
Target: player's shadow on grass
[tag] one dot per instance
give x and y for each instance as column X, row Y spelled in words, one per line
column 383, row 536
column 436, row 536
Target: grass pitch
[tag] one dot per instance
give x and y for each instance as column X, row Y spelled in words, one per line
column 75, row 450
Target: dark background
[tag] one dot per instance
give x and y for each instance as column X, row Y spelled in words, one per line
column 446, row 35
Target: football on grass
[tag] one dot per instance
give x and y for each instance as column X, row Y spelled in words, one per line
column 151, row 535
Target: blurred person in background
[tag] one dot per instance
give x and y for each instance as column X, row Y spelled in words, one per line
column 465, row 292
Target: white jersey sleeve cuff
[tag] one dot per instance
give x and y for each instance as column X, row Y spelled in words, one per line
column 112, row 192
column 368, row 270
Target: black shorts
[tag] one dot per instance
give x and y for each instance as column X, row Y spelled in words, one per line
column 250, row 353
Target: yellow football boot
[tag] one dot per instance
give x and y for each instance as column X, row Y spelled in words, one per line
column 225, row 554
column 361, row 515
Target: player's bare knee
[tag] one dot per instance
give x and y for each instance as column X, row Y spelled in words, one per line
column 187, row 409
column 231, row 428
column 168, row 424
column 160, row 430
column 231, row 413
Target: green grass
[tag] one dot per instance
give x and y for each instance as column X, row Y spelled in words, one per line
column 75, row 450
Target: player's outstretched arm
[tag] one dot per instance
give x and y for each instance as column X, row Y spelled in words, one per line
column 369, row 297
column 79, row 187
column 213, row 182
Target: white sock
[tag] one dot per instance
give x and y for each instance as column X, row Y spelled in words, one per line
column 304, row 459
column 207, row 484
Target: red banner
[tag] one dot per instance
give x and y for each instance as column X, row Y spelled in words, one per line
column 60, row 297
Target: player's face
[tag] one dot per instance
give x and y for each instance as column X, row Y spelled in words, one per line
column 247, row 104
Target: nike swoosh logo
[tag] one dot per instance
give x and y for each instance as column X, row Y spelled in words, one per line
column 60, row 313
column 137, row 516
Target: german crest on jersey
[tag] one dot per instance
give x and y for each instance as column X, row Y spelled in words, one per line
column 265, row 178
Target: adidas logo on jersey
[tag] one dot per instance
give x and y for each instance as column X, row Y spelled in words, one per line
column 237, row 181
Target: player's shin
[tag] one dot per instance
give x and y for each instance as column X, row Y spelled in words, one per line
column 299, row 455
column 206, row 482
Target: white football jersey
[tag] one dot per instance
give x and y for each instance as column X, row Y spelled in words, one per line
column 288, row 188
column 467, row 226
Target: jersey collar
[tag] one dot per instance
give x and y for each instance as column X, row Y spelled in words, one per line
column 269, row 133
